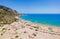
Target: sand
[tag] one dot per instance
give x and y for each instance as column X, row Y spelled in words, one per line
column 22, row 29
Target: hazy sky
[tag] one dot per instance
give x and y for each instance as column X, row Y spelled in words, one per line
column 33, row 6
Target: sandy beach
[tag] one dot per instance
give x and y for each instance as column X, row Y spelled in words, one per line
column 22, row 29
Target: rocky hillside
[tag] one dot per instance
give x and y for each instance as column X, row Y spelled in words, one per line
column 7, row 15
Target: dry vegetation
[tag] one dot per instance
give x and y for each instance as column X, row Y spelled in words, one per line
column 7, row 15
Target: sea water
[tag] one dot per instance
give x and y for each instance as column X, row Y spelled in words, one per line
column 51, row 19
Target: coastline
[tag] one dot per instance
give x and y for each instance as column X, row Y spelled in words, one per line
column 40, row 23
column 46, row 19
column 54, row 28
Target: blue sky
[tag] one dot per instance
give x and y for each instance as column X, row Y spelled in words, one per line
column 33, row 6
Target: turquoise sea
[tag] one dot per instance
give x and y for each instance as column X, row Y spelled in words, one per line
column 51, row 19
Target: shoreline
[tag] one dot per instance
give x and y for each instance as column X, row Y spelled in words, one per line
column 42, row 25
column 39, row 23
